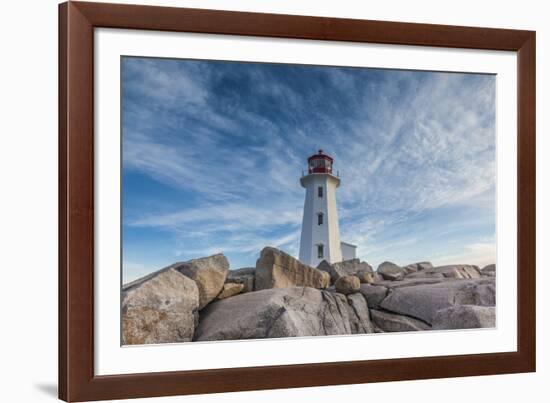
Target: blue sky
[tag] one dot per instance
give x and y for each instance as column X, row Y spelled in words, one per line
column 213, row 152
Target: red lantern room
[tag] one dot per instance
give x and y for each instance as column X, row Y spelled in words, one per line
column 319, row 163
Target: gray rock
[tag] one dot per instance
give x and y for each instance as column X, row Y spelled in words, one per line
column 410, row 282
column 359, row 314
column 389, row 322
column 374, row 294
column 160, row 308
column 352, row 267
column 489, row 270
column 276, row 269
column 414, row 267
column 367, row 278
column 326, row 267
column 391, row 271
column 423, row 301
column 209, row 273
column 243, row 276
column 425, row 274
column 461, row 271
column 229, row 290
column 331, row 289
column 424, row 266
column 455, row 271
column 347, row 285
column 277, row 312
column 464, row 317
column 377, row 277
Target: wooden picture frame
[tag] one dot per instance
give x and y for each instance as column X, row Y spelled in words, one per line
column 77, row 21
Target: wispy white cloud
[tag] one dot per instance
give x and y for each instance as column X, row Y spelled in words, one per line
column 224, row 217
column 246, row 243
column 233, row 142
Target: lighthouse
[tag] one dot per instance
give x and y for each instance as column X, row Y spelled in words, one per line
column 320, row 238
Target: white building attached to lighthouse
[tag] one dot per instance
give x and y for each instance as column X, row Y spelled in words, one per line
column 320, row 238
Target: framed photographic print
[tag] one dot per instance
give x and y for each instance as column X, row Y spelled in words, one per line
column 256, row 201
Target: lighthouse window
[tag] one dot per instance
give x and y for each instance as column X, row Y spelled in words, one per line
column 320, row 251
column 320, row 191
column 320, row 219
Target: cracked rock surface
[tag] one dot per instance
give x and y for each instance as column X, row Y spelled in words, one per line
column 389, row 322
column 424, row 301
column 283, row 312
column 160, row 308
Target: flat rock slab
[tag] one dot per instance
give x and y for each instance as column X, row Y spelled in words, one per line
column 424, row 274
column 209, row 273
column 410, row 282
column 465, row 317
column 423, row 301
column 280, row 312
column 389, row 322
column 160, row 308
column 276, row 269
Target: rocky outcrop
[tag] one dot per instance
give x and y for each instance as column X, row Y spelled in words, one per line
column 391, row 271
column 347, row 285
column 352, row 267
column 457, row 271
column 389, row 322
column 279, row 312
column 276, row 269
column 281, row 297
column 423, row 301
column 160, row 308
column 244, row 276
column 464, row 317
column 230, row 289
column 209, row 273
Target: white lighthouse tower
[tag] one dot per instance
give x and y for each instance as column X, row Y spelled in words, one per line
column 320, row 231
